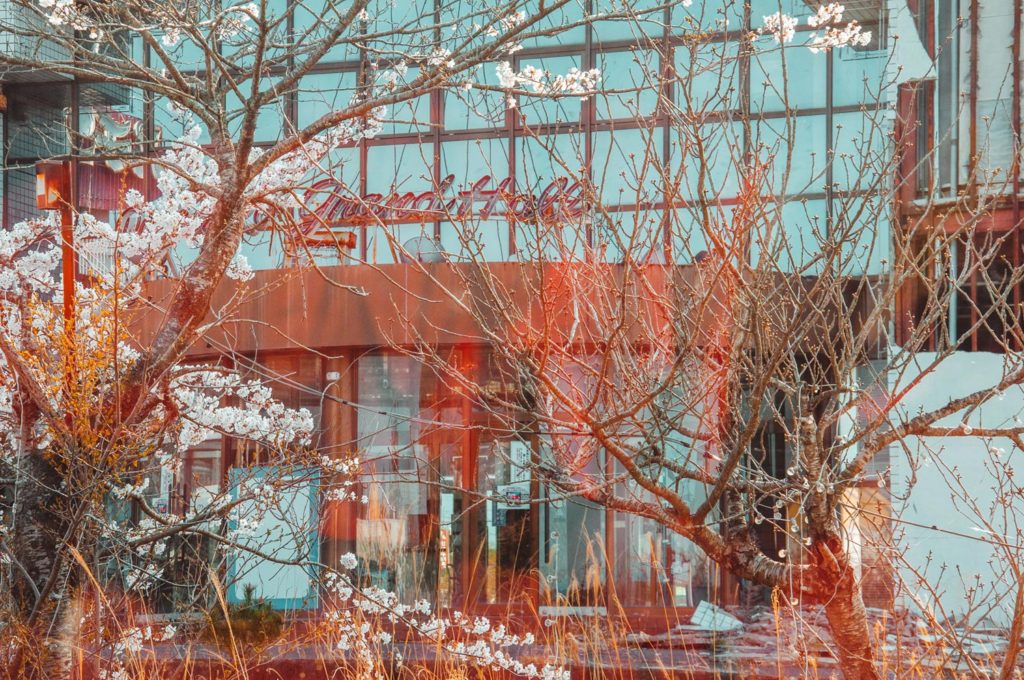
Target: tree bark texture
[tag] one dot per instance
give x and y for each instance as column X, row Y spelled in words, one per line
column 845, row 611
column 40, row 526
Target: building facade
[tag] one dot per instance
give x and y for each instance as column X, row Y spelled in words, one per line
column 453, row 175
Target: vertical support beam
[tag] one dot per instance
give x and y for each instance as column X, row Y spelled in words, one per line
column 437, row 119
column 69, row 260
column 666, row 89
column 829, row 145
column 745, row 98
column 1015, row 226
column 972, row 161
column 588, row 112
column 337, row 424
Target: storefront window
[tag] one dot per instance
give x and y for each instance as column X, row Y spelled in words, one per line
column 573, row 552
column 296, row 382
column 573, row 549
column 504, row 554
column 654, row 567
column 409, row 530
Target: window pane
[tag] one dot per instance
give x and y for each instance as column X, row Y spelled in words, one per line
column 401, row 243
column 865, row 223
column 240, row 47
column 404, row 456
column 504, row 556
column 860, row 146
column 550, row 241
column 794, row 147
column 635, row 73
column 655, row 567
column 322, row 93
column 690, row 232
column 270, row 121
column 708, row 16
column 542, row 159
column 185, row 54
column 638, row 234
column 856, row 76
column 634, row 20
column 572, row 552
column 790, row 76
column 572, row 530
column 707, row 77
column 708, row 155
column 172, row 123
column 470, row 161
column 262, row 250
column 548, row 110
column 110, row 119
column 761, row 8
column 402, row 167
column 400, row 28
column 627, row 166
column 467, row 109
column 315, row 19
column 559, row 26
column 798, row 246
column 479, row 168
column 331, row 187
column 36, row 121
column 408, row 116
column 476, row 240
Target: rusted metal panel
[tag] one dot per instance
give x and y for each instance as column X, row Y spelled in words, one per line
column 402, row 305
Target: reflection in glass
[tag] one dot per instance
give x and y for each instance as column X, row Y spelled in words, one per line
column 408, row 533
column 572, row 531
column 505, row 553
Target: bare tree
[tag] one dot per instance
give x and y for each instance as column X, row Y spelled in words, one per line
column 87, row 408
column 657, row 346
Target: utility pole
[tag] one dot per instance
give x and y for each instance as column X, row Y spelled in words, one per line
column 53, row 192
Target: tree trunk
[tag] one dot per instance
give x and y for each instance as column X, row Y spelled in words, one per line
column 40, row 526
column 844, row 608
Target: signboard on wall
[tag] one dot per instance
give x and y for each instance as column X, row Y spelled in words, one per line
column 332, row 204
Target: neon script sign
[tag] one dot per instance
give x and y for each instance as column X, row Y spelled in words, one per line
column 332, row 204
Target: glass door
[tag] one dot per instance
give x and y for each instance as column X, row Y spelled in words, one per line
column 503, row 562
column 573, row 553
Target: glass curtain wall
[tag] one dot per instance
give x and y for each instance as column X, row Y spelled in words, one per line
column 634, row 143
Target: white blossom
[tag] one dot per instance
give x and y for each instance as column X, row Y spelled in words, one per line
column 780, row 26
column 239, row 269
column 850, row 35
column 828, row 13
